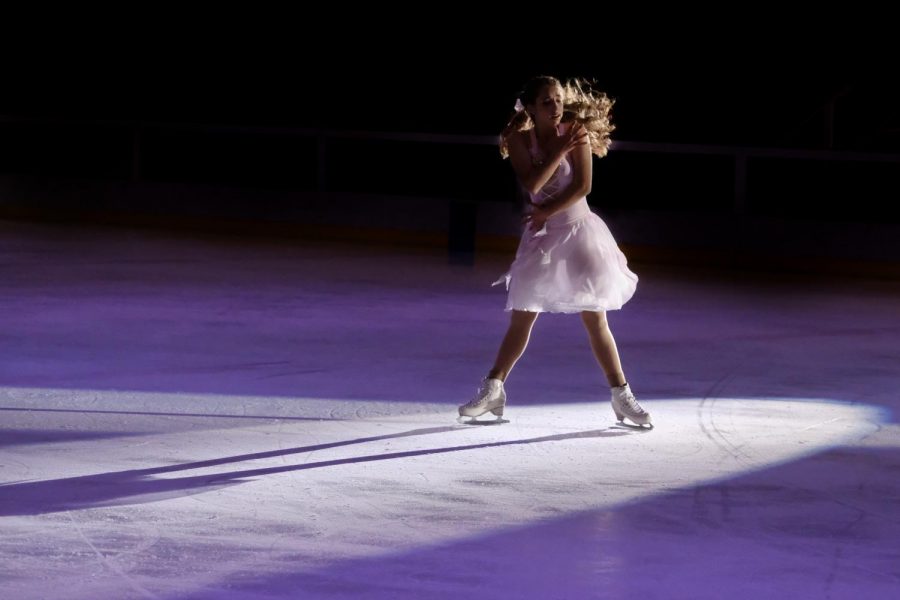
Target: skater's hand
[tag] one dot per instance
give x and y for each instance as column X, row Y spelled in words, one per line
column 564, row 143
column 536, row 217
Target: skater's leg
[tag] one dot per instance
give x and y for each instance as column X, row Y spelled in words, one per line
column 491, row 396
column 513, row 344
column 604, row 346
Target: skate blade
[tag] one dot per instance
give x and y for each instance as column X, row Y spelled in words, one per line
column 646, row 427
column 475, row 421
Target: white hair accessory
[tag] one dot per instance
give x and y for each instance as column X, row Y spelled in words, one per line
column 519, row 106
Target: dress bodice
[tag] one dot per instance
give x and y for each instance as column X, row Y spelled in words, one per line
column 560, row 179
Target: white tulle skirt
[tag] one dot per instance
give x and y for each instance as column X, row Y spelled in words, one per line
column 571, row 265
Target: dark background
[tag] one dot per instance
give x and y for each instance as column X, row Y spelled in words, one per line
column 741, row 78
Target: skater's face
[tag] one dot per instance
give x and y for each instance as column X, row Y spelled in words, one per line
column 547, row 109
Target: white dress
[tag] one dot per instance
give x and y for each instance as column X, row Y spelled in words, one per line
column 572, row 264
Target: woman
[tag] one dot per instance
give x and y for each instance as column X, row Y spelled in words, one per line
column 567, row 260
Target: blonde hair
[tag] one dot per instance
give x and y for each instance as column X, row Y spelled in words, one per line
column 581, row 103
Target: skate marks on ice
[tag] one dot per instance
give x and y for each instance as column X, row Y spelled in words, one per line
column 311, row 485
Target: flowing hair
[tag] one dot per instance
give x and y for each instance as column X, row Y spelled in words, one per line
column 581, row 103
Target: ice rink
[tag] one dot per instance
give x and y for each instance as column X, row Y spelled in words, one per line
column 186, row 417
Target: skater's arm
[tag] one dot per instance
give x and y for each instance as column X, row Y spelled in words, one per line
column 580, row 186
column 534, row 176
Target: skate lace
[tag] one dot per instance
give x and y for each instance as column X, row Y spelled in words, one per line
column 481, row 396
column 632, row 403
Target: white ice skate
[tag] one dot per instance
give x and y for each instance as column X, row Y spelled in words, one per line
column 491, row 397
column 625, row 405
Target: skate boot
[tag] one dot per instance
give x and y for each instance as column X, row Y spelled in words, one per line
column 490, row 397
column 625, row 405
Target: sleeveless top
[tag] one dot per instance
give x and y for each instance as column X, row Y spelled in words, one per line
column 558, row 182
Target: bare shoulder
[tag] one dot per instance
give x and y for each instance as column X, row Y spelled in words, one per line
column 519, row 143
column 519, row 138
